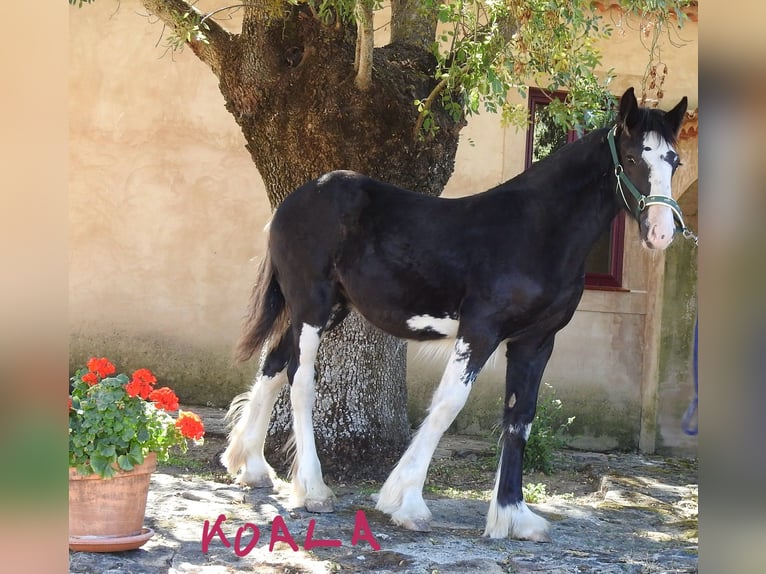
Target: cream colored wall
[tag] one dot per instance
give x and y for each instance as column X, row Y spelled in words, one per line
column 167, row 211
column 166, row 207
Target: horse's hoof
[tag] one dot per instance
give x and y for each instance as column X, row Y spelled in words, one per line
column 535, row 537
column 263, row 481
column 320, row 506
column 417, row 525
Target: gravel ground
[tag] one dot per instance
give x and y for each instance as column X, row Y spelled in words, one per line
column 610, row 513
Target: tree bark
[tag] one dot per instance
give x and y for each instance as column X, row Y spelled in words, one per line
column 360, row 415
column 412, row 23
column 290, row 83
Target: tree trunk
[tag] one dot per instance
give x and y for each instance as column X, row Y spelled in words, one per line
column 289, row 81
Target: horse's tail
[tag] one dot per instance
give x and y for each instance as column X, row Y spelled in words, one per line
column 268, row 314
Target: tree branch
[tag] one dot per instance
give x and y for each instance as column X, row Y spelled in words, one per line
column 365, row 42
column 425, row 106
column 208, row 48
column 493, row 38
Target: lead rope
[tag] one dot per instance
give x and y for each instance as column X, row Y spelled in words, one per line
column 690, row 421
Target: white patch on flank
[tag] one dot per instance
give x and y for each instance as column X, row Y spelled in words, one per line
column 308, row 486
column 514, row 520
column 446, row 326
column 402, row 494
column 659, row 218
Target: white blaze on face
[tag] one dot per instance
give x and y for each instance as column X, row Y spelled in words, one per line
column 658, row 156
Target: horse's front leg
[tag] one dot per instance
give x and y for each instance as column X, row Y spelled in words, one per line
column 508, row 513
column 402, row 494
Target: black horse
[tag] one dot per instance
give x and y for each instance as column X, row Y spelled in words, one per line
column 506, row 266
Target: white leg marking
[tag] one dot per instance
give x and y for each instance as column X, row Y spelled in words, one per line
column 402, row 494
column 659, row 218
column 446, row 326
column 514, row 520
column 309, row 488
column 244, row 454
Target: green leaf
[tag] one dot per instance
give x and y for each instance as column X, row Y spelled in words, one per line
column 124, row 462
column 108, row 451
column 102, row 466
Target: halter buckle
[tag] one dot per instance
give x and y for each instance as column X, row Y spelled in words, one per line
column 689, row 234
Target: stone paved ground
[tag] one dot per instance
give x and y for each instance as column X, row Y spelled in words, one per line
column 616, row 513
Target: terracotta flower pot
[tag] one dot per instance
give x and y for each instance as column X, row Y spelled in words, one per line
column 107, row 515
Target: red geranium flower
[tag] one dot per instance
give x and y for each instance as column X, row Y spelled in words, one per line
column 141, row 384
column 164, row 398
column 138, row 388
column 190, row 425
column 102, row 367
column 90, row 378
column 145, row 376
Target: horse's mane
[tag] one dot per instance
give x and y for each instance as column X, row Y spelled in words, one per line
column 652, row 120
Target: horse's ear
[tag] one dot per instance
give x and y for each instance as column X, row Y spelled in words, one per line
column 628, row 109
column 675, row 117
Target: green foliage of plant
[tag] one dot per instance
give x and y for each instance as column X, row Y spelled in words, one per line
column 111, row 428
column 188, row 27
column 548, row 136
column 489, row 49
column 547, row 432
column 546, row 435
column 492, row 48
column 535, row 492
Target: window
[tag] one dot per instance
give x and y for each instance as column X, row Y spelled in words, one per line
column 603, row 267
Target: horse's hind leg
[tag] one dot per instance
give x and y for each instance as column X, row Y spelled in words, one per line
column 309, row 488
column 508, row 514
column 243, row 456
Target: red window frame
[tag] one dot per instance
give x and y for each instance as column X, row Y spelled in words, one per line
column 612, row 278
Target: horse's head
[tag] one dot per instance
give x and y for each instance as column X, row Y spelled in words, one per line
column 645, row 147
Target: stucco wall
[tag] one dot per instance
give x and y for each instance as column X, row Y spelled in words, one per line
column 167, row 211
column 166, row 206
